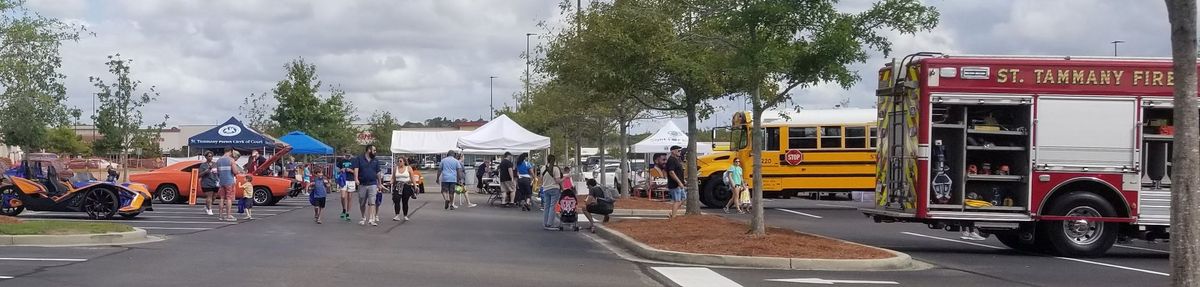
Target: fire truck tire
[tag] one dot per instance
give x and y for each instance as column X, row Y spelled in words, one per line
column 1079, row 238
column 1012, row 240
column 714, row 193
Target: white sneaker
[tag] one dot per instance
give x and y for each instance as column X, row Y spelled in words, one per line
column 374, row 223
column 208, row 211
column 473, row 205
column 973, row 236
column 362, row 222
column 397, row 218
column 406, row 218
column 453, row 206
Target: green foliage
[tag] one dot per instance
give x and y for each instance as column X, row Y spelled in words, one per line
column 63, row 140
column 33, row 95
column 256, row 111
column 60, row 227
column 119, row 118
column 300, row 107
column 381, row 125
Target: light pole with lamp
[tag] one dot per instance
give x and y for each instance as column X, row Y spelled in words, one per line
column 491, row 96
column 1115, row 46
column 527, row 58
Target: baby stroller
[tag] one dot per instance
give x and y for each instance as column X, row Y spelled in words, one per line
column 566, row 211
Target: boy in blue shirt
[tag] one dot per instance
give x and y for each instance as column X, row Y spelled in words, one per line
column 317, row 197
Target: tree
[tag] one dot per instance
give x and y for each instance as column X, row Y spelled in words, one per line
column 119, row 119
column 771, row 60
column 1185, row 225
column 256, row 111
column 381, row 126
column 63, row 140
column 33, row 95
column 300, row 107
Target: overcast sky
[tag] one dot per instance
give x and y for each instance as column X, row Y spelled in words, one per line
column 427, row 58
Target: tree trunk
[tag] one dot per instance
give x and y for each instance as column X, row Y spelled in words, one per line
column 623, row 177
column 601, row 178
column 758, row 225
column 1185, row 237
column 693, row 190
column 579, row 157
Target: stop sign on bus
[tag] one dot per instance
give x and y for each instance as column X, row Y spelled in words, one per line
column 793, row 157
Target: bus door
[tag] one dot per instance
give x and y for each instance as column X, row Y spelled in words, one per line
column 771, row 163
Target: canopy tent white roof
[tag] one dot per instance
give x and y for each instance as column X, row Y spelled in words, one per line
column 666, row 136
column 503, row 134
column 431, row 142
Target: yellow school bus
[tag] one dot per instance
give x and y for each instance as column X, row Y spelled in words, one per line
column 830, row 151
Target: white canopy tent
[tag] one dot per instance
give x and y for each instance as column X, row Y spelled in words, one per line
column 503, row 134
column 436, row 142
column 662, row 140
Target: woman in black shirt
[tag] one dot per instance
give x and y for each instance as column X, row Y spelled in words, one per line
column 597, row 202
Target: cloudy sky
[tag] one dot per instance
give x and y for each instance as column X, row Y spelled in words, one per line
column 427, row 58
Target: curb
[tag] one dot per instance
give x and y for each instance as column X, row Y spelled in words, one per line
column 899, row 262
column 640, row 212
column 138, row 235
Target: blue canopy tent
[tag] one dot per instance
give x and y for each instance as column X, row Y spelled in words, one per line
column 303, row 144
column 231, row 134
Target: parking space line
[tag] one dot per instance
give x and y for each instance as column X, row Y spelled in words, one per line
column 135, row 221
column 190, row 212
column 42, row 259
column 695, row 277
column 797, row 212
column 1143, row 249
column 835, row 205
column 6, row 277
column 1058, row 257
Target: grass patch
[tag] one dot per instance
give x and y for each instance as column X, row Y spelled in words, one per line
column 52, row 227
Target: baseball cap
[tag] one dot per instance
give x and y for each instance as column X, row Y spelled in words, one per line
column 675, row 147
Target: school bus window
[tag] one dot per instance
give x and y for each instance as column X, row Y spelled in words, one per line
column 856, row 137
column 875, row 137
column 772, row 139
column 802, row 138
column 831, row 137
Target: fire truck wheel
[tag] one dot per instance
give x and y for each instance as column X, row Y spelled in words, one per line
column 1079, row 238
column 1013, row 240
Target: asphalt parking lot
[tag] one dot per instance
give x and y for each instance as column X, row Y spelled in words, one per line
column 489, row 246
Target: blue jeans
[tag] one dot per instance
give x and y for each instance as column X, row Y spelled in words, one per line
column 549, row 200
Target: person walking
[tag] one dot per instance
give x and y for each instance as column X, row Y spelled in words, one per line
column 524, row 181
column 448, row 178
column 551, row 190
column 675, row 183
column 227, row 171
column 481, row 173
column 733, row 179
column 346, row 185
column 508, row 175
column 367, row 171
column 402, row 187
column 209, row 181
column 247, row 201
column 317, row 197
column 461, row 189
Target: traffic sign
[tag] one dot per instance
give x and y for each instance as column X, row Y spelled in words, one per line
column 793, row 157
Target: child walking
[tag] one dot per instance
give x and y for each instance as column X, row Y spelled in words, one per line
column 317, row 197
column 247, row 201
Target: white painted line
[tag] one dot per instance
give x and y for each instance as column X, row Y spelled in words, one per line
column 6, row 277
column 199, row 214
column 832, row 281
column 797, row 212
column 172, row 228
column 137, row 221
column 1059, row 257
column 42, row 259
column 1142, row 249
column 695, row 277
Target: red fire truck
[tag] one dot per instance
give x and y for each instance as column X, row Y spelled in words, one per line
column 1065, row 155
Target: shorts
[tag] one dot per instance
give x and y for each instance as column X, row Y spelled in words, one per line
column 508, row 186
column 448, row 187
column 317, row 201
column 210, row 189
column 367, row 194
column 601, row 209
column 351, row 186
column 678, row 194
column 246, row 203
column 227, row 192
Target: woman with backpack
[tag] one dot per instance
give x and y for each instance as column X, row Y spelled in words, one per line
column 552, row 180
column 524, row 181
column 597, row 202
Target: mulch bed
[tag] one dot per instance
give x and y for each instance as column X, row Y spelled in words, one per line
column 9, row 220
column 708, row 234
column 641, row 203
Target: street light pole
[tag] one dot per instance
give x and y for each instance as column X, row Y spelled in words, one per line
column 527, row 58
column 1115, row 46
column 491, row 95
